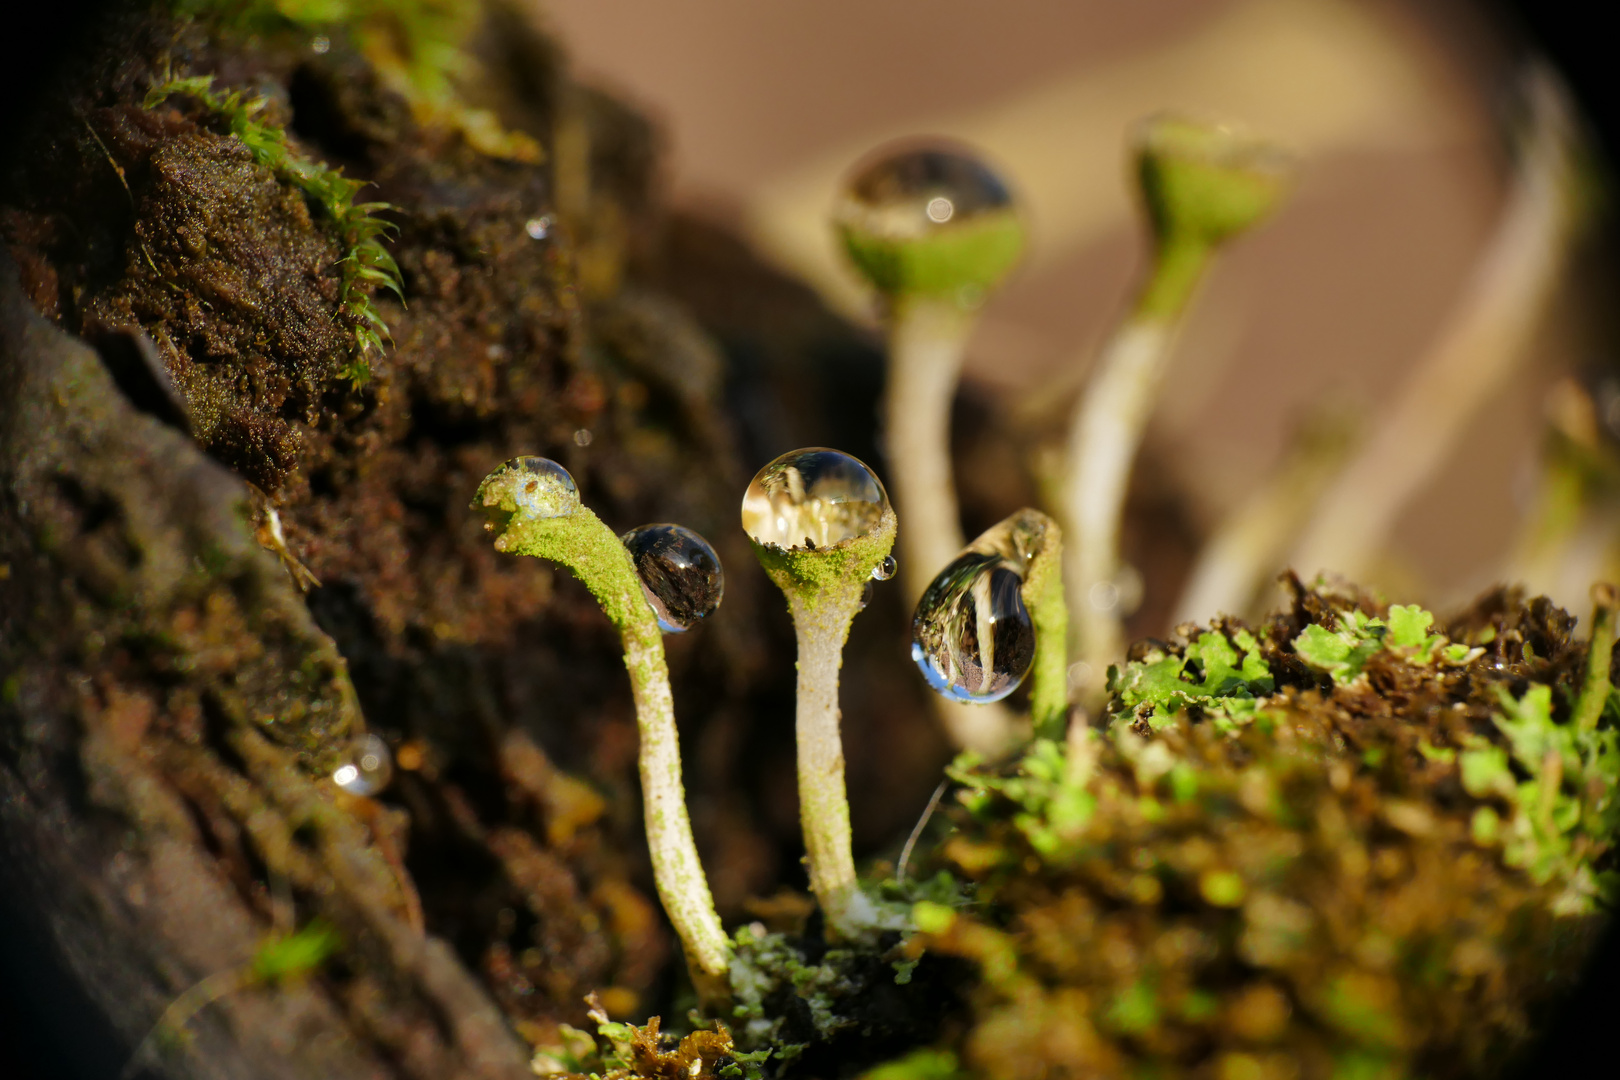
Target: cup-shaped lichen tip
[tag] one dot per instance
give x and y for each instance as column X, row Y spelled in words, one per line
column 929, row 220
column 1206, row 182
column 525, row 489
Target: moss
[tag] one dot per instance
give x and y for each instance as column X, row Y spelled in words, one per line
column 366, row 263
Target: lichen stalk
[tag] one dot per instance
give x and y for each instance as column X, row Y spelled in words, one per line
column 824, row 589
column 1596, row 687
column 1103, row 440
column 593, row 553
column 927, row 339
column 1201, row 185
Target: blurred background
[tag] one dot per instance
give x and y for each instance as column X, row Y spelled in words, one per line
column 1404, row 117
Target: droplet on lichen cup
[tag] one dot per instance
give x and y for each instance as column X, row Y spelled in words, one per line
column 813, row 499
column 972, row 636
column 526, row 489
column 680, row 574
column 368, row 769
column 930, row 220
column 884, row 570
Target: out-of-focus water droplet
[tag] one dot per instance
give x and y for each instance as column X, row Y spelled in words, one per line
column 368, row 769
column 972, row 636
column 680, row 574
column 812, row 499
column 320, row 45
column 922, row 188
column 583, row 437
column 884, row 570
column 538, row 228
column 866, row 594
column 536, row 487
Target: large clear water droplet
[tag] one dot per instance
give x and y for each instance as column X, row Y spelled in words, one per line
column 680, row 574
column 368, row 769
column 884, row 570
column 527, row 488
column 922, row 189
column 972, row 636
column 812, row 499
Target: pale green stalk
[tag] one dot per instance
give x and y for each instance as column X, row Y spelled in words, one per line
column 824, row 588
column 1043, row 598
column 1596, row 688
column 927, row 339
column 1481, row 345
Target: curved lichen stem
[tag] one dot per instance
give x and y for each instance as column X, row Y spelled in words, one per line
column 824, row 588
column 1043, row 598
column 593, row 553
column 1597, row 687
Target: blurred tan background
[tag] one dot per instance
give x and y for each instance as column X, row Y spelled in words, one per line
column 1391, row 107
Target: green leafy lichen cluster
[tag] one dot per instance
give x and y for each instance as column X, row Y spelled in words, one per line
column 1308, row 892
column 1222, row 676
column 366, row 263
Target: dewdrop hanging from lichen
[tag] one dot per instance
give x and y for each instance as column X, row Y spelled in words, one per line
column 680, row 574
column 994, row 616
column 972, row 637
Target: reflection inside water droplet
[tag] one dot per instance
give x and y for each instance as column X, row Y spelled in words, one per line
column 972, row 636
column 535, row 487
column 812, row 499
column 884, row 570
column 917, row 189
column 680, row 574
column 369, row 768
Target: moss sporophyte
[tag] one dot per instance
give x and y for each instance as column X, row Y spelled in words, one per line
column 821, row 526
column 1201, row 185
column 533, row 507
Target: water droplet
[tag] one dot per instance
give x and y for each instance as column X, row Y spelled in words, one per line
column 884, row 570
column 919, row 189
column 680, row 574
column 972, row 636
column 320, row 45
column 538, row 228
column 583, row 437
column 1103, row 596
column 527, row 488
column 369, row 768
column 812, row 499
column 866, row 594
